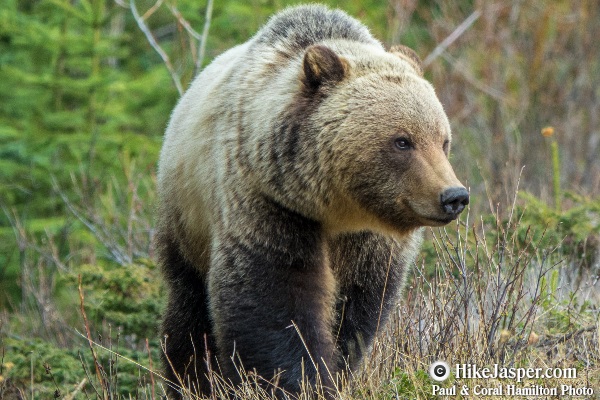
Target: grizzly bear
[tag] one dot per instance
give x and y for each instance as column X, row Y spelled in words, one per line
column 296, row 174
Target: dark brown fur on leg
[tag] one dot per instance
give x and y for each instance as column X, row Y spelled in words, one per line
column 370, row 276
column 273, row 305
column 187, row 331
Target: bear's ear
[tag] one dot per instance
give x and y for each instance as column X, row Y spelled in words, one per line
column 322, row 66
column 408, row 55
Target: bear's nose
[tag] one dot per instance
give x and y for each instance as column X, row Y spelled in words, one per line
column 454, row 200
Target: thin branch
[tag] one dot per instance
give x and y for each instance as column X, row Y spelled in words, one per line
column 202, row 44
column 78, row 389
column 186, row 25
column 99, row 232
column 152, row 10
column 462, row 28
column 144, row 28
column 558, row 339
column 151, row 368
column 469, row 78
column 90, row 341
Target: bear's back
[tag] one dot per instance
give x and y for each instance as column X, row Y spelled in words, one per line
column 299, row 27
column 236, row 108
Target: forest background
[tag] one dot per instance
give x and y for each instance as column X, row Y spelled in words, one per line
column 87, row 87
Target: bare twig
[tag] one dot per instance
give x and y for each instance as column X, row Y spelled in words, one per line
column 150, row 37
column 152, row 10
column 186, row 25
column 202, row 44
column 201, row 38
column 90, row 341
column 99, row 232
column 114, row 353
column 78, row 389
column 462, row 28
column 558, row 339
column 151, row 368
column 197, row 41
column 469, row 78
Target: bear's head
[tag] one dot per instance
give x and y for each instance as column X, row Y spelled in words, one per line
column 386, row 139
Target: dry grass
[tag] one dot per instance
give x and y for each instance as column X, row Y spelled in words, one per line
column 485, row 305
column 490, row 301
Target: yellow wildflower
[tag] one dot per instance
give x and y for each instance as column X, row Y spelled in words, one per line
column 547, row 131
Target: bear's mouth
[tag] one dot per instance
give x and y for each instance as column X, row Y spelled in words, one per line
column 428, row 219
column 439, row 221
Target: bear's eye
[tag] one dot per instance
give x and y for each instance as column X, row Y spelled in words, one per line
column 403, row 144
column 446, row 146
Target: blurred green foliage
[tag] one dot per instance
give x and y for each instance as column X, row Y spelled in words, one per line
column 570, row 228
column 24, row 360
column 43, row 368
column 128, row 296
column 79, row 91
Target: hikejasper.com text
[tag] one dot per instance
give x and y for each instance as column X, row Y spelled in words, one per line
column 472, row 371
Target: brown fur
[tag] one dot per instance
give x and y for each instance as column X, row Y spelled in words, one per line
column 409, row 55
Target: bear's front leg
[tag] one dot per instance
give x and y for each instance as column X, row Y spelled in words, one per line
column 272, row 296
column 371, row 270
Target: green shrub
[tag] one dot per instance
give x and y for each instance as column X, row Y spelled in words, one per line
column 574, row 229
column 129, row 297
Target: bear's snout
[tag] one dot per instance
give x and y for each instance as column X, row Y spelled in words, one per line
column 454, row 200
